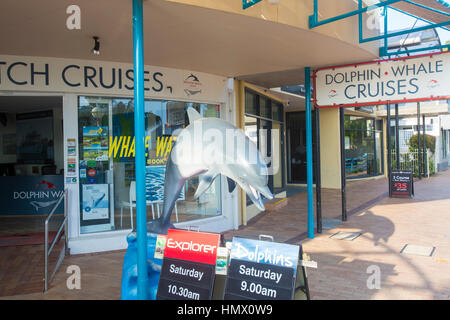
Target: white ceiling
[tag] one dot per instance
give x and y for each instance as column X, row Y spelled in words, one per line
column 175, row 35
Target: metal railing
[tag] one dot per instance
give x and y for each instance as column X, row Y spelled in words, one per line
column 410, row 161
column 62, row 226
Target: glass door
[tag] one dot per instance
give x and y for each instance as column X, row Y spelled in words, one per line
column 96, row 168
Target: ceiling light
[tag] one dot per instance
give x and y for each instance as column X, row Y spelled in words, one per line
column 96, row 49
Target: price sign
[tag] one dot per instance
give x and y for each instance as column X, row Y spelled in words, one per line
column 188, row 267
column 261, row 270
column 401, row 183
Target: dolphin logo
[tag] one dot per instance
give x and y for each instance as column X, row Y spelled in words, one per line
column 191, row 92
column 193, row 78
column 433, row 83
column 38, row 205
column 48, row 184
column 250, row 172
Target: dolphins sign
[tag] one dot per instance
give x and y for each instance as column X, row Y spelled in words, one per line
column 399, row 80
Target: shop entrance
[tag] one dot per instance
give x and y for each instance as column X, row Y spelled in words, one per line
column 296, row 147
column 31, row 161
column 31, row 182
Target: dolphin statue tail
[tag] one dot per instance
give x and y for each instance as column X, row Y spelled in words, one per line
column 173, row 184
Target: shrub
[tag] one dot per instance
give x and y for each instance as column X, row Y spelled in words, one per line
column 430, row 142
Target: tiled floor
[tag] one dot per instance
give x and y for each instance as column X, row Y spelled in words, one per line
column 346, row 269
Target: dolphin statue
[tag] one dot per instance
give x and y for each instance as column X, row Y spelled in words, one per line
column 193, row 154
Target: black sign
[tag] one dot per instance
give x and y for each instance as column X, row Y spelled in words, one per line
column 402, row 184
column 261, row 270
column 259, row 281
column 185, row 280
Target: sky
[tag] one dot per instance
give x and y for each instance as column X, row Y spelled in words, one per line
column 397, row 20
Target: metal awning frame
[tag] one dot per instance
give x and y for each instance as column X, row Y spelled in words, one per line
column 314, row 22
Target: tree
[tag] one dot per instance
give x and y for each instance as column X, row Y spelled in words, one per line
column 430, row 142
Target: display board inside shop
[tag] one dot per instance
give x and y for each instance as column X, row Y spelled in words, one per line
column 402, row 183
column 261, row 270
column 188, row 268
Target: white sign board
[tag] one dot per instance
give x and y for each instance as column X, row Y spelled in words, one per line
column 420, row 78
column 59, row 75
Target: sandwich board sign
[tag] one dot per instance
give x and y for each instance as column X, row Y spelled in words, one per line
column 399, row 80
column 261, row 270
column 189, row 264
column 402, row 184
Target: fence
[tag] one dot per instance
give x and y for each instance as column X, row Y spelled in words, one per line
column 410, row 161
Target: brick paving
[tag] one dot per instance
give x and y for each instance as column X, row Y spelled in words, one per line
column 344, row 267
column 289, row 223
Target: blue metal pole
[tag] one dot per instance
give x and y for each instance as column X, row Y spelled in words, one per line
column 139, row 131
column 309, row 153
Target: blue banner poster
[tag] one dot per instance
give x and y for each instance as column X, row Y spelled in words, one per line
column 31, row 195
column 154, row 184
column 95, row 201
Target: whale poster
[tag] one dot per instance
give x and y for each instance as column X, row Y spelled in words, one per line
column 154, row 184
column 95, row 203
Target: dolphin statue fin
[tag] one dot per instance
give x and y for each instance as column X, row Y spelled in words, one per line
column 205, row 180
column 255, row 196
column 193, row 114
column 231, row 185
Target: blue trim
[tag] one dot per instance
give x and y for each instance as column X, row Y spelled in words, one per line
column 139, row 124
column 399, row 33
column 428, row 8
column 309, row 157
column 415, row 17
column 313, row 19
column 247, row 4
column 384, row 52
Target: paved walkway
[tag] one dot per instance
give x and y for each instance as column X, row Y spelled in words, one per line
column 344, row 267
column 386, row 228
column 289, row 223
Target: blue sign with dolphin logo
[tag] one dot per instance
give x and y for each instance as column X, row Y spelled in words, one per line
column 31, row 195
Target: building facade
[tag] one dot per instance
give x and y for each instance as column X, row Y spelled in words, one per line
column 210, row 55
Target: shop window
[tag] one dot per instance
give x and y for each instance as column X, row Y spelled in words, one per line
column 363, row 147
column 250, row 103
column 107, row 167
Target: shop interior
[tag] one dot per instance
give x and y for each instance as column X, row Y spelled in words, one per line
column 31, row 162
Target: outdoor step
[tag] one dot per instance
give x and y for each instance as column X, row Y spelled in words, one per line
column 276, row 204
